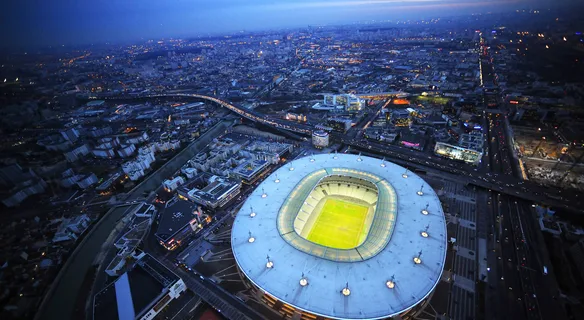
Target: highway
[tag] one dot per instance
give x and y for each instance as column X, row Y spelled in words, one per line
column 221, row 300
column 517, row 281
column 498, row 148
column 517, row 288
column 501, row 182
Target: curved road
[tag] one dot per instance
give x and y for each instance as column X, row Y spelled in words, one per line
column 500, row 182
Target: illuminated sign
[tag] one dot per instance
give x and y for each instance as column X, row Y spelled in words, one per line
column 410, row 144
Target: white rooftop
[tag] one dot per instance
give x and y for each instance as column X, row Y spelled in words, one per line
column 318, row 285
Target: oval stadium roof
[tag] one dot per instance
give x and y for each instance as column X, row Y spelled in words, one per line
column 258, row 243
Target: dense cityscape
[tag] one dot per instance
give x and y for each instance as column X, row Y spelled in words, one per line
column 406, row 169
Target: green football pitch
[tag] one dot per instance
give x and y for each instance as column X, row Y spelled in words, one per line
column 339, row 224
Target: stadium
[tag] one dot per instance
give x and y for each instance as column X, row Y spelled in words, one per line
column 341, row 236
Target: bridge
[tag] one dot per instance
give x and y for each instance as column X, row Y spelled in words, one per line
column 228, row 305
column 504, row 184
column 501, row 183
column 245, row 113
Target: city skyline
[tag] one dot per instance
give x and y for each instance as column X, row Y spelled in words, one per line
column 59, row 23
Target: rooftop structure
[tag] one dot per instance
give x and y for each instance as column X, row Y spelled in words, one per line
column 71, row 228
column 209, row 191
column 383, row 264
column 96, row 103
column 328, row 107
column 172, row 184
column 473, row 140
column 458, row 153
column 350, row 102
column 177, row 221
column 320, row 139
column 412, row 140
column 339, row 124
column 140, row 293
column 250, row 171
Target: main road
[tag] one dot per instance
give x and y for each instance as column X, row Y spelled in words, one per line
column 502, row 182
column 518, row 286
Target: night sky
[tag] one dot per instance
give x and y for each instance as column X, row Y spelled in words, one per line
column 57, row 22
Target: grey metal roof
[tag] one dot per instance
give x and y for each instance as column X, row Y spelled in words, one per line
column 369, row 298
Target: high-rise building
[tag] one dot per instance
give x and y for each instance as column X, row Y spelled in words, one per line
column 350, row 102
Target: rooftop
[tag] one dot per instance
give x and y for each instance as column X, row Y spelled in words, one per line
column 391, row 278
column 174, row 217
column 213, row 191
column 250, row 168
column 134, row 291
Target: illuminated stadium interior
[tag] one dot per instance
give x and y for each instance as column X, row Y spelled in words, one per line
column 341, row 237
column 336, row 208
column 338, row 212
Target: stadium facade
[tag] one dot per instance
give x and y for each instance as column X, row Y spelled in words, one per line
column 340, row 236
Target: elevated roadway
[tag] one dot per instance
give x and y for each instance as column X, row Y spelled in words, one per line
column 503, row 183
column 245, row 113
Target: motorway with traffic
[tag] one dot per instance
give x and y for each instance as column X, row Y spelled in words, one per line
column 519, row 286
column 498, row 180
